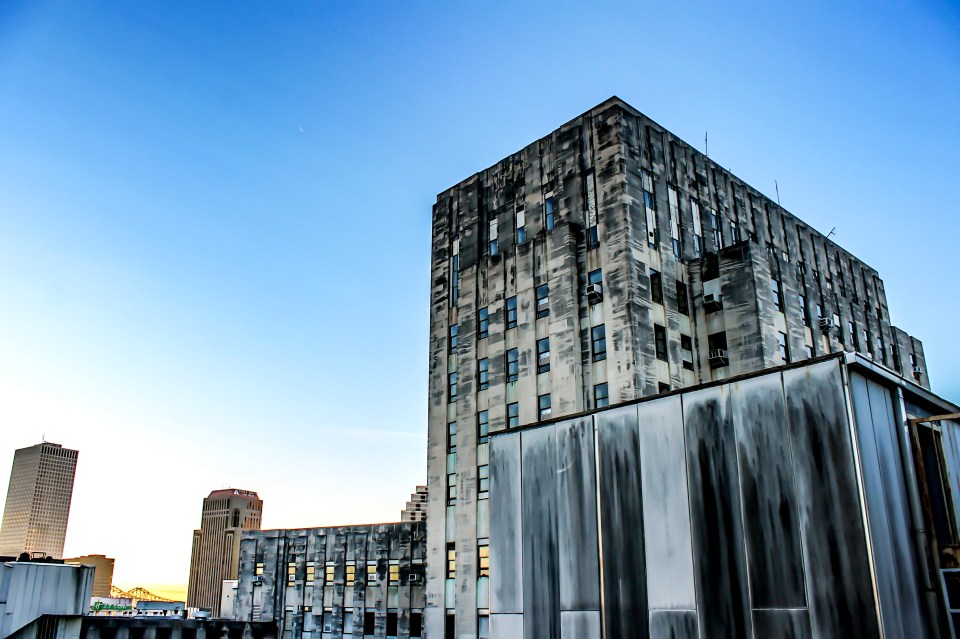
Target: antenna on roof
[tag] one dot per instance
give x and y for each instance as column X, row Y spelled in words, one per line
column 832, row 232
column 706, row 144
column 777, row 186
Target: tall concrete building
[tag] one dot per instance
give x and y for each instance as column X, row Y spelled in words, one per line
column 606, row 262
column 38, row 500
column 102, row 572
column 216, row 545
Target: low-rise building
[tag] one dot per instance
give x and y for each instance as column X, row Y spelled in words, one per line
column 102, row 573
column 330, row 583
column 173, row 628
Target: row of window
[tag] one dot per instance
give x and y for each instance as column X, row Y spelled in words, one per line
column 598, row 345
column 483, row 559
column 595, row 294
column 393, row 572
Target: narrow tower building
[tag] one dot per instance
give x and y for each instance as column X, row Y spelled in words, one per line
column 216, row 545
column 38, row 501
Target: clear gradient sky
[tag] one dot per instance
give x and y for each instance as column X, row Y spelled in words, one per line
column 215, row 217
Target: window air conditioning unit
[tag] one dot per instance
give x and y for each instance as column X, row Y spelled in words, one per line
column 711, row 303
column 257, row 579
column 594, row 293
column 917, row 371
column 718, row 358
column 826, row 324
column 416, row 578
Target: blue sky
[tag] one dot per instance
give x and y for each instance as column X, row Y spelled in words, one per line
column 215, row 217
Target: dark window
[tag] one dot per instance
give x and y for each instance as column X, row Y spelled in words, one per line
column 452, row 387
column 550, row 209
column 804, row 311
column 454, row 337
column 483, row 481
column 513, row 365
column 777, row 294
column 454, row 279
column 656, row 287
column 512, row 312
column 717, row 234
column 784, row 349
column 513, row 415
column 734, row 232
column 452, row 437
column 543, row 355
column 416, row 626
column 598, row 342
column 450, row 631
column 663, row 388
column 483, row 323
column 601, row 396
column 483, row 427
column 543, row 301
column 686, row 345
column 543, row 406
column 483, row 373
column 717, row 347
column 683, row 305
column 369, row 622
column 660, row 341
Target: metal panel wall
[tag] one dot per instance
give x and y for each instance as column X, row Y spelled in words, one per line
column 884, row 486
column 839, row 587
column 506, row 595
column 621, row 524
column 733, row 510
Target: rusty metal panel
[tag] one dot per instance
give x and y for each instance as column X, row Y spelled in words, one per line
column 622, row 526
column 506, row 545
column 715, row 514
column 839, row 588
column 577, row 516
column 769, row 497
column 541, row 578
column 666, row 513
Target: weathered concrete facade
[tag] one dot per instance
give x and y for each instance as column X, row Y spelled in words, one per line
column 330, row 583
column 606, row 262
column 776, row 504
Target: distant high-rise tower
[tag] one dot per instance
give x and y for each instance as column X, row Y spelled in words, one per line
column 216, row 546
column 38, row 500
